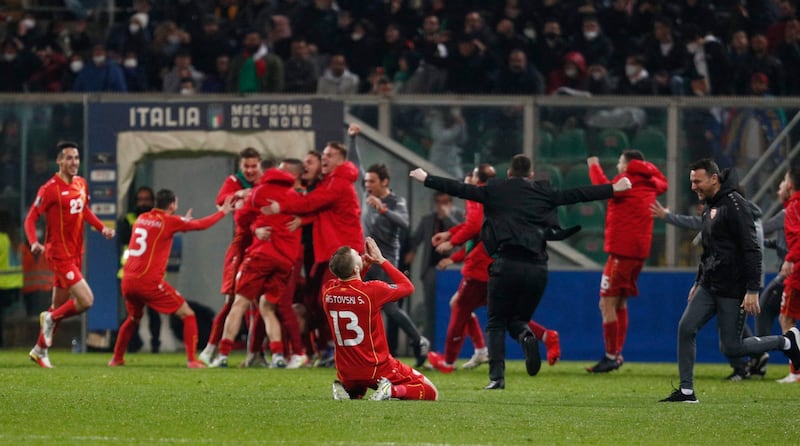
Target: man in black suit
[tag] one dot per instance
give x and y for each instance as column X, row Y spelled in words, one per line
column 444, row 217
column 519, row 217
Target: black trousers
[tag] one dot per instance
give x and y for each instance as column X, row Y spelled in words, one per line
column 515, row 289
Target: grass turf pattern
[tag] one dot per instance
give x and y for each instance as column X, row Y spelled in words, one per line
column 154, row 399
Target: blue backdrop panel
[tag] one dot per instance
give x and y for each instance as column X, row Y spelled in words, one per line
column 569, row 305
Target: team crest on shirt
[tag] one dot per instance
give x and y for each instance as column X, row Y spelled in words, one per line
column 70, row 275
column 712, row 213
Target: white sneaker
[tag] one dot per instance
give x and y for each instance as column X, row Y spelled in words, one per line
column 384, row 390
column 790, row 378
column 476, row 360
column 339, row 392
column 40, row 357
column 297, row 361
column 278, row 361
column 48, row 326
column 208, row 354
column 220, row 362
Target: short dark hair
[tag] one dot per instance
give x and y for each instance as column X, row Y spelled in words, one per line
column 267, row 163
column 338, row 145
column 706, row 164
column 632, row 154
column 164, row 198
column 380, row 170
column 147, row 189
column 342, row 264
column 249, row 153
column 794, row 173
column 296, row 164
column 439, row 193
column 485, row 172
column 521, row 166
column 315, row 154
column 65, row 145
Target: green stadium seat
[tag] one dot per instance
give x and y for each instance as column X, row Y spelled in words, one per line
column 591, row 215
column 610, row 143
column 576, row 175
column 548, row 172
column 652, row 142
column 570, row 145
column 591, row 245
column 545, row 146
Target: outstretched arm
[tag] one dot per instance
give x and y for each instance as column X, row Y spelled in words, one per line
column 451, row 187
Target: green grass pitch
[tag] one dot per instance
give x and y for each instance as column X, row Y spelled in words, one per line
column 154, row 399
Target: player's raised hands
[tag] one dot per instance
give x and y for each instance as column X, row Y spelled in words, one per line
column 371, row 251
column 227, row 205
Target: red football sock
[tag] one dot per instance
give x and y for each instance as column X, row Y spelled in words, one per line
column 622, row 328
column 399, row 391
column 456, row 329
column 190, row 336
column 416, row 391
column 475, row 333
column 276, row 347
column 537, row 329
column 219, row 323
column 124, row 336
column 225, row 347
column 66, row 310
column 610, row 337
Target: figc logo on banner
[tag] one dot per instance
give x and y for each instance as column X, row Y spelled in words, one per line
column 216, row 116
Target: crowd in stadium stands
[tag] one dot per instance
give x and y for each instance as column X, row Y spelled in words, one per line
column 644, row 47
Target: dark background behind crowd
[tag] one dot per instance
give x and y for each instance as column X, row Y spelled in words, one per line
column 644, row 47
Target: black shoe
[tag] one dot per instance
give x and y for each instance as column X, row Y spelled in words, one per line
column 530, row 347
column 738, row 375
column 496, row 384
column 678, row 397
column 421, row 349
column 793, row 335
column 606, row 365
column 758, row 366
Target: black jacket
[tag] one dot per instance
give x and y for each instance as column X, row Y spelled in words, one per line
column 731, row 261
column 517, row 212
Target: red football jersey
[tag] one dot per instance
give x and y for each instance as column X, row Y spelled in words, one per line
column 353, row 309
column 151, row 242
column 65, row 206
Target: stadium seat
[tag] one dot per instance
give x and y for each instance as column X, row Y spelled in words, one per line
column 610, row 143
column 652, row 142
column 591, row 215
column 576, row 175
column 549, row 172
column 590, row 245
column 570, row 145
column 545, row 146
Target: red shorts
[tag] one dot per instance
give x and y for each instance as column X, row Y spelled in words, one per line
column 620, row 276
column 790, row 303
column 395, row 371
column 65, row 272
column 472, row 294
column 159, row 296
column 233, row 259
column 263, row 275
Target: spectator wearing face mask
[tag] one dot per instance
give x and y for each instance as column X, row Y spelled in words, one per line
column 551, row 48
column 132, row 35
column 26, row 30
column 572, row 74
column 135, row 77
column 593, row 44
column 101, row 74
column 637, row 80
column 16, row 66
column 181, row 68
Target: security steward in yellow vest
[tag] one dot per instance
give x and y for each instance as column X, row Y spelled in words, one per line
column 10, row 269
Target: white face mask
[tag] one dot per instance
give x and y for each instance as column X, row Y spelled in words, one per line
column 129, row 63
column 134, row 28
column 76, row 65
column 590, row 35
column 187, row 91
column 692, row 47
column 8, row 57
column 356, row 36
column 99, row 60
column 29, row 23
column 631, row 70
column 571, row 72
column 597, row 75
